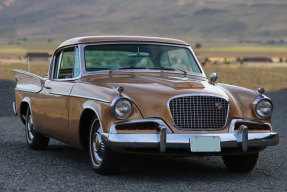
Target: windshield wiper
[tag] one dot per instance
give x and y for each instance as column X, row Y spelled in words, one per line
column 169, row 69
column 127, row 67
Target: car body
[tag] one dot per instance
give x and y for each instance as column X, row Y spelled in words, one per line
column 147, row 95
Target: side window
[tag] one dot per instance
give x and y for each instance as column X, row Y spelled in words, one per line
column 67, row 64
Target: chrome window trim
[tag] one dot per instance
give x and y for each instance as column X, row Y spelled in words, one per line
column 86, row 73
column 199, row 94
column 80, row 60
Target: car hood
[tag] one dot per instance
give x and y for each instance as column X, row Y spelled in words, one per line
column 152, row 92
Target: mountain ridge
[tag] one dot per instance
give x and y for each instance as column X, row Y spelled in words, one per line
column 190, row 20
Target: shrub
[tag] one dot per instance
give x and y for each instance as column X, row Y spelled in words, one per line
column 198, row 45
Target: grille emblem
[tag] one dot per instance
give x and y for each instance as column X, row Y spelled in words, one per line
column 218, row 105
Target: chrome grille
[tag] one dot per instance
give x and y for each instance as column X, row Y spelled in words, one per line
column 199, row 112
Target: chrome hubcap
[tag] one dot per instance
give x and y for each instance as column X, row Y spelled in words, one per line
column 30, row 128
column 97, row 147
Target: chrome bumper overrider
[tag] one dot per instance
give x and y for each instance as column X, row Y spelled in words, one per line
column 165, row 139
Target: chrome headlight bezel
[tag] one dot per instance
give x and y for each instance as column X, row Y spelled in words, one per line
column 116, row 104
column 257, row 103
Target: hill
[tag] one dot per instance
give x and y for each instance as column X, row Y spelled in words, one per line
column 190, row 20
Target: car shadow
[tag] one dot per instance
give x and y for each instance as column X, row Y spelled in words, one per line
column 62, row 159
column 149, row 167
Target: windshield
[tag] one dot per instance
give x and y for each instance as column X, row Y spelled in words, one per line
column 106, row 57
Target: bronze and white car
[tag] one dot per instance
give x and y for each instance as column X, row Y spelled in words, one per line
column 123, row 94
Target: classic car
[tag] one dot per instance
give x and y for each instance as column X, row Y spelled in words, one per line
column 114, row 95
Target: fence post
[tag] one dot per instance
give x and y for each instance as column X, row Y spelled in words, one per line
column 29, row 64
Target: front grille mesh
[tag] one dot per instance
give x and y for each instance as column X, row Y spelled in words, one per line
column 199, row 112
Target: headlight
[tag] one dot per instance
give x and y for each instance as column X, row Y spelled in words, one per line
column 121, row 107
column 263, row 109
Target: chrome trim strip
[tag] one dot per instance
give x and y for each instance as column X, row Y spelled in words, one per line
column 58, row 93
column 199, row 94
column 142, row 71
column 27, row 73
column 92, row 98
column 197, row 62
column 27, row 90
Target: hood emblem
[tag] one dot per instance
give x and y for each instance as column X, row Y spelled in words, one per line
column 218, row 105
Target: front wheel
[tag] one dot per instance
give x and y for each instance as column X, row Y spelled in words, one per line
column 104, row 161
column 240, row 163
column 34, row 139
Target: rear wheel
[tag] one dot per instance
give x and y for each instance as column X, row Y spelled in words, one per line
column 104, row 161
column 34, row 139
column 240, row 163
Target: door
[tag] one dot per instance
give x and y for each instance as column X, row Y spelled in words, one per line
column 55, row 101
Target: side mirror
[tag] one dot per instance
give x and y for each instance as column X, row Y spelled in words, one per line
column 212, row 78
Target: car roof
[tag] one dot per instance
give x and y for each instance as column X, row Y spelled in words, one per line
column 104, row 39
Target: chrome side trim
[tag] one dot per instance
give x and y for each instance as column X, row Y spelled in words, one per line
column 27, row 73
column 58, row 93
column 92, row 98
column 27, row 89
column 198, row 94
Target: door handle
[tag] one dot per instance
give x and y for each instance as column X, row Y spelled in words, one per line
column 46, row 87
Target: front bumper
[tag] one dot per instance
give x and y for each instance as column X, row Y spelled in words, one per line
column 166, row 139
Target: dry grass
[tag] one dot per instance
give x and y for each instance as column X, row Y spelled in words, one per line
column 6, row 69
column 252, row 77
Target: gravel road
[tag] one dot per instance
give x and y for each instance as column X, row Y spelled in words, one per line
column 63, row 168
